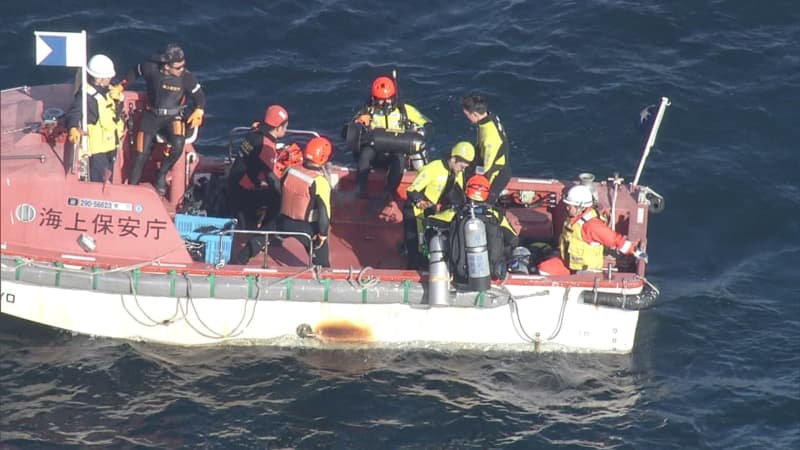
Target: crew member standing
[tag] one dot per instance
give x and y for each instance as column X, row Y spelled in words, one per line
column 305, row 203
column 492, row 146
column 168, row 85
column 103, row 117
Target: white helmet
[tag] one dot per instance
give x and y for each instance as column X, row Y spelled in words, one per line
column 101, row 66
column 580, row 196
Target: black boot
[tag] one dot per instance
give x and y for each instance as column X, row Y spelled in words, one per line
column 138, row 167
column 362, row 178
column 251, row 249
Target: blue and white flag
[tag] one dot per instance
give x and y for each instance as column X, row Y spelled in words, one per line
column 60, row 49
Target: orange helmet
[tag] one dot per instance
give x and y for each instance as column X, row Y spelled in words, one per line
column 478, row 188
column 383, row 88
column 318, row 150
column 275, row 116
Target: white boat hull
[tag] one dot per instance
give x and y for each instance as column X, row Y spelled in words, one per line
column 540, row 320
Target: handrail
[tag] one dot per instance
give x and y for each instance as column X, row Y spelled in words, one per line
column 266, row 234
column 236, row 131
column 41, row 157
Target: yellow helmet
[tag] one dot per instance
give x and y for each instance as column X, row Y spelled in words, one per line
column 463, row 150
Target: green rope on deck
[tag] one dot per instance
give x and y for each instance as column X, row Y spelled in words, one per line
column 172, row 274
column 406, row 287
column 250, row 284
column 212, row 285
column 288, row 289
column 95, row 269
column 364, row 295
column 18, row 262
column 479, row 299
column 327, row 283
column 59, row 266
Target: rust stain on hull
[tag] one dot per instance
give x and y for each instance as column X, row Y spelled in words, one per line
column 343, row 331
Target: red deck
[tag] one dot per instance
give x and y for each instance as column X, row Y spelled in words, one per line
column 45, row 208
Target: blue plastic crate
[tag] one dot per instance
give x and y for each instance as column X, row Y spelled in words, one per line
column 212, row 245
column 188, row 225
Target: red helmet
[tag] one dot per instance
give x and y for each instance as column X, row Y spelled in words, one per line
column 318, row 150
column 383, row 88
column 275, row 116
column 478, row 188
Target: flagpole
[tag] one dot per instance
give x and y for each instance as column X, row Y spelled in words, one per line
column 84, row 152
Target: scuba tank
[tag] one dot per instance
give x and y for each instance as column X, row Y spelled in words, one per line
column 419, row 159
column 438, row 273
column 477, row 253
column 407, row 142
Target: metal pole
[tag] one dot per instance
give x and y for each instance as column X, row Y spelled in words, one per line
column 652, row 139
column 84, row 150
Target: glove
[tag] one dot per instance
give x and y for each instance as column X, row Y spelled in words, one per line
column 640, row 255
column 115, row 91
column 196, row 119
column 319, row 240
column 75, row 135
column 423, row 204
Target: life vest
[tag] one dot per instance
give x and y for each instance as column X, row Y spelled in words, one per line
column 296, row 194
column 575, row 251
column 268, row 151
column 104, row 135
column 276, row 160
column 289, row 156
column 396, row 120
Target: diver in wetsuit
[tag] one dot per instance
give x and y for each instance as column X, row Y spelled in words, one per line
column 168, row 84
column 385, row 112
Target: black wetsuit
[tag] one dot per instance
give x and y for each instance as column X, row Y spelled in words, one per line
column 166, row 94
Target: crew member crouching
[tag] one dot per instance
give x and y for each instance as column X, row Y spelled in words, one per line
column 584, row 237
column 438, row 183
column 500, row 235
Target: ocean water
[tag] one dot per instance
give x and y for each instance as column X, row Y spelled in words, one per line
column 717, row 362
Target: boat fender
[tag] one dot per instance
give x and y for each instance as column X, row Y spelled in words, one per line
column 477, row 253
column 438, row 273
column 635, row 302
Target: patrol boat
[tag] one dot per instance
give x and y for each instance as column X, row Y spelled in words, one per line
column 119, row 261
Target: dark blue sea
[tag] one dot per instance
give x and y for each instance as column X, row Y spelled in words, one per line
column 717, row 362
